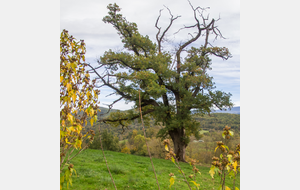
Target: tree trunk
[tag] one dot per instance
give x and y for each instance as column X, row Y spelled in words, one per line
column 179, row 145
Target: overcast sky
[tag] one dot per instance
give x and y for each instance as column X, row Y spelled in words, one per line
column 83, row 20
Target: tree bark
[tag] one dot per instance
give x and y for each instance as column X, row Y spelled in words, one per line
column 177, row 136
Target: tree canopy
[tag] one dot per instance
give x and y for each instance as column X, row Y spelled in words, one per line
column 171, row 85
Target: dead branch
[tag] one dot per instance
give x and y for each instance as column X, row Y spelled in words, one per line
column 159, row 39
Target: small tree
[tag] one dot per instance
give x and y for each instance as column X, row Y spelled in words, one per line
column 78, row 102
column 109, row 142
column 171, row 85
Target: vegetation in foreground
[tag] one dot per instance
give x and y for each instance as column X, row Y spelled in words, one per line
column 133, row 172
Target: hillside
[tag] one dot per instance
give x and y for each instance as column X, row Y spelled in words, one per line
column 104, row 113
column 218, row 121
column 234, row 110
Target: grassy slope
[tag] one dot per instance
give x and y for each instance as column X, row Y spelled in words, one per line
column 133, row 172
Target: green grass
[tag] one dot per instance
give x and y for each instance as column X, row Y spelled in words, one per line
column 203, row 131
column 123, row 141
column 133, row 172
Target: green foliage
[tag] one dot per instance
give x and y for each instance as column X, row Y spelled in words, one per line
column 109, row 141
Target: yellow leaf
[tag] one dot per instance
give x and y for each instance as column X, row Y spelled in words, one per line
column 70, row 117
column 63, row 123
column 229, row 157
column 92, row 111
column 61, row 78
column 92, row 121
column 235, row 165
column 227, row 167
column 79, row 127
column 88, row 94
column 173, row 160
column 166, row 147
column 68, row 65
column 216, row 148
column 212, row 171
column 62, row 134
column 69, row 86
column 67, row 141
column 195, row 184
column 227, row 188
column 199, row 172
column 74, row 97
column 172, row 181
column 79, row 142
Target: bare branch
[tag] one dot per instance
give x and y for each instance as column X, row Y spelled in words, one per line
column 185, row 28
column 159, row 39
column 95, row 68
column 109, row 85
column 191, row 35
column 110, row 94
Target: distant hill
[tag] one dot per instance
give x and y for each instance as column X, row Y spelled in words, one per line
column 104, row 113
column 234, row 110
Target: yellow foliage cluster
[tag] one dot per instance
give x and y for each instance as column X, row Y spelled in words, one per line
column 125, row 150
column 78, row 101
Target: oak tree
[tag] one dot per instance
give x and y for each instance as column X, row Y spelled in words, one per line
column 173, row 86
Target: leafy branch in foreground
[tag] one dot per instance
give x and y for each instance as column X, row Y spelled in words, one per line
column 228, row 164
column 78, row 103
column 172, row 156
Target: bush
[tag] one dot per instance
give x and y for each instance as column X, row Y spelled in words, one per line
column 109, row 142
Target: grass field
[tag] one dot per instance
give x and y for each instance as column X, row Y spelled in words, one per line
column 203, row 131
column 133, row 172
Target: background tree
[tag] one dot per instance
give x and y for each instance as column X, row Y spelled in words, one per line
column 78, row 102
column 171, row 85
